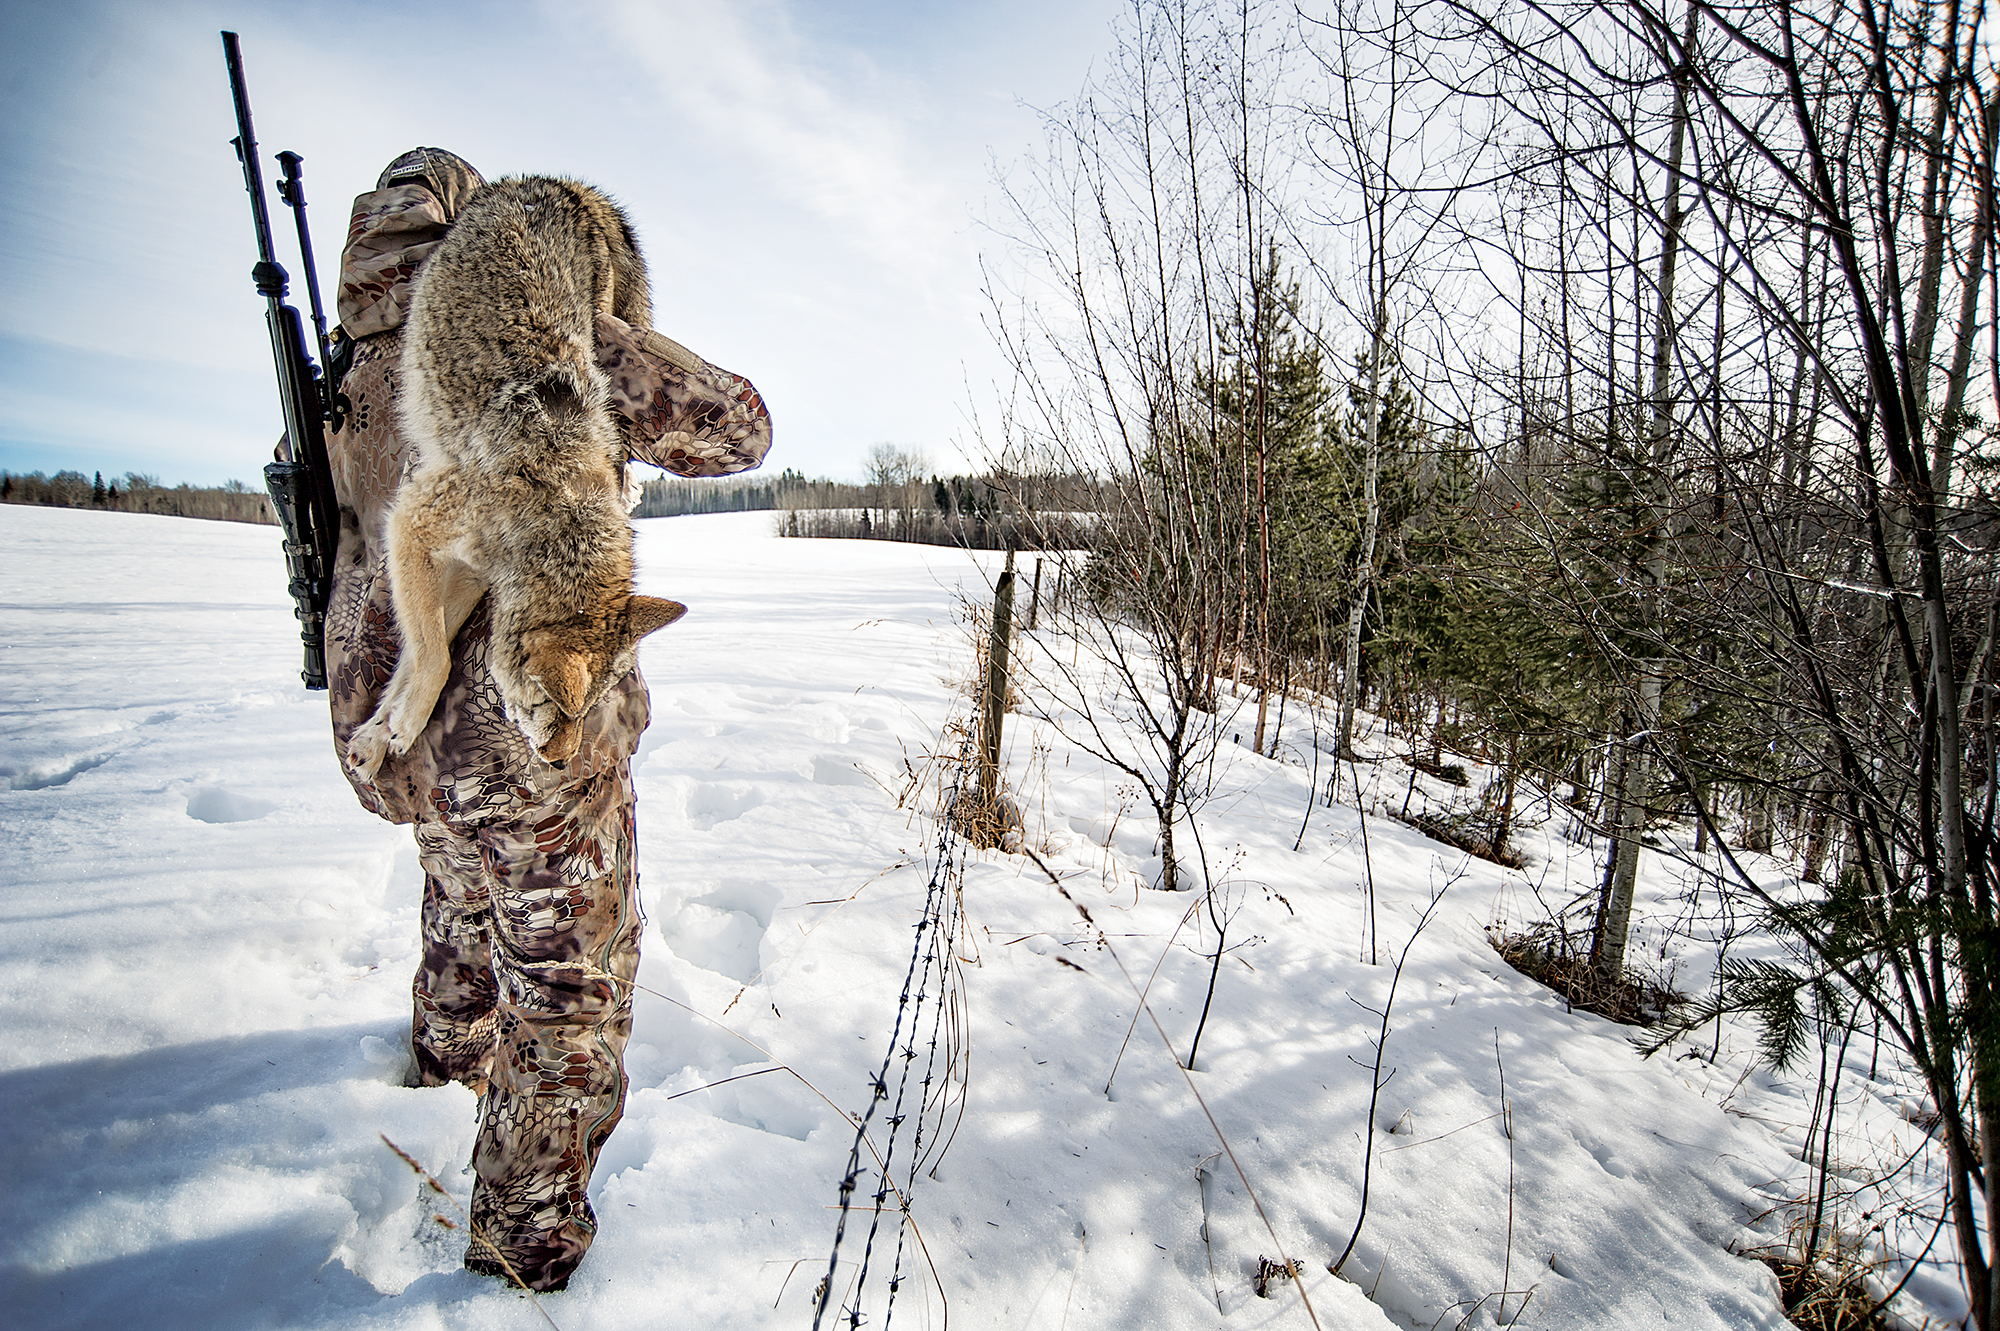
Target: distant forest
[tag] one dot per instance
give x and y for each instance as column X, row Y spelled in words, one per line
column 672, row 496
column 135, row 492
column 897, row 502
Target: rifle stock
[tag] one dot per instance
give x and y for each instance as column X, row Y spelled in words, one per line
column 302, row 487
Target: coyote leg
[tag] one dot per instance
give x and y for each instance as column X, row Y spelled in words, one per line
column 433, row 592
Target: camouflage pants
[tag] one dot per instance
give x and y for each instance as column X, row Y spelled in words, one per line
column 531, row 936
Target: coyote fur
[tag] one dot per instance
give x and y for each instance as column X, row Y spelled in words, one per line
column 517, row 488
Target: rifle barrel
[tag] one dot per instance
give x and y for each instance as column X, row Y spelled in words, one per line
column 302, row 488
column 246, row 153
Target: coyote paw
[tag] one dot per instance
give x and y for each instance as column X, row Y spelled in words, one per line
column 368, row 746
column 399, row 718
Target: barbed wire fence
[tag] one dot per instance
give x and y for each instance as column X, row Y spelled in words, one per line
column 920, row 1127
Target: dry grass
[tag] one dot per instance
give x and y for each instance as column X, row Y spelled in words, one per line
column 1269, row 1273
column 1839, row 1288
column 1635, row 998
column 1826, row 1298
column 1461, row 833
column 988, row 824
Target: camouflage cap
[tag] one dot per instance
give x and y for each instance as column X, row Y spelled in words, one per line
column 393, row 229
column 445, row 174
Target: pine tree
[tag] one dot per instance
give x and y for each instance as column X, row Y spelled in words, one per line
column 1269, row 402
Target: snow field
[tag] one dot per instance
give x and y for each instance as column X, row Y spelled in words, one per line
column 208, row 946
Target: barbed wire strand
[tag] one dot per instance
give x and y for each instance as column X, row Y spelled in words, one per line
column 931, row 953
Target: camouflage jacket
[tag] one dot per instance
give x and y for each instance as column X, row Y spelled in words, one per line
column 471, row 763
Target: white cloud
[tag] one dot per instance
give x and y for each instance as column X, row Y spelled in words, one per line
column 803, row 176
column 818, row 137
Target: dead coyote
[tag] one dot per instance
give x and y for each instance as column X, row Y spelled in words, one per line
column 518, row 482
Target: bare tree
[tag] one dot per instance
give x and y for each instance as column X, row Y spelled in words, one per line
column 894, row 477
column 1384, row 134
column 1809, row 610
column 1139, row 236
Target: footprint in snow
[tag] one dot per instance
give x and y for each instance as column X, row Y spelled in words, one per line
column 830, row 769
column 711, row 803
column 44, row 777
column 213, row 804
column 1608, row 1161
column 723, row 930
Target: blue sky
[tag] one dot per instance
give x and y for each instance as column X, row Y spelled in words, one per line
column 806, row 178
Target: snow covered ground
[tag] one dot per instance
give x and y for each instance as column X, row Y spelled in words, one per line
column 207, row 948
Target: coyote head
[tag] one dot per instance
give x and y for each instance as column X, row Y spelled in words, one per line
column 570, row 665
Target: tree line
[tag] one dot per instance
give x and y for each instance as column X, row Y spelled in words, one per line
column 136, row 492
column 897, row 500
column 894, row 503
column 674, row 496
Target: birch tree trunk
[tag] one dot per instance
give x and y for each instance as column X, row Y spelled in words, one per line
column 1616, row 925
column 1364, row 571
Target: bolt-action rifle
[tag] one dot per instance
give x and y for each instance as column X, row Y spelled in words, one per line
column 301, row 488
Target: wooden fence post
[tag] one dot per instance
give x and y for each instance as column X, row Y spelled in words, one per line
column 1035, row 596
column 995, row 699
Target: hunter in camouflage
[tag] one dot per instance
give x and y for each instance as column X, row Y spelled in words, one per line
column 530, row 909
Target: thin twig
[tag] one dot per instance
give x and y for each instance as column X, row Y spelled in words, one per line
column 1377, row 1082
column 1207, row 1243
column 1367, row 861
column 1507, row 1127
column 1312, row 787
column 1193, row 1090
column 1133, row 1024
column 1082, row 1246
column 471, row 1230
column 596, row 972
column 1411, row 1146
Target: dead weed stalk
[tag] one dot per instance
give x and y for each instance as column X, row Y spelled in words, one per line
column 1222, row 1140
column 1550, row 957
column 465, row 1221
